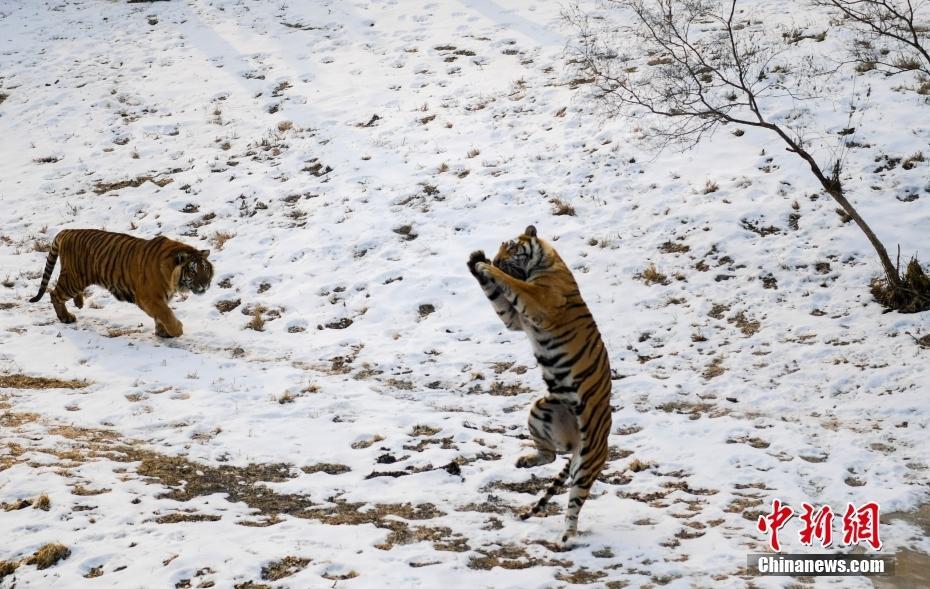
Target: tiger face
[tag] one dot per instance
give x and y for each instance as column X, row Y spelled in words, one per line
column 519, row 257
column 196, row 271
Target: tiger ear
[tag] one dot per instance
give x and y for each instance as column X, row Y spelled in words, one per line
column 181, row 258
column 205, row 253
column 530, row 231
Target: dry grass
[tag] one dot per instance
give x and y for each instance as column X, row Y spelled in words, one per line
column 287, row 566
column 443, row 167
column 361, row 444
column 285, row 126
column 424, row 430
column 714, row 369
column 104, row 187
column 327, row 467
column 42, row 502
column 7, row 567
column 257, row 323
column 710, row 186
column 220, row 238
column 651, row 275
column 560, row 207
column 49, row 555
column 22, row 381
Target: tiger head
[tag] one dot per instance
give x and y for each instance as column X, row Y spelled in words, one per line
column 524, row 255
column 195, row 270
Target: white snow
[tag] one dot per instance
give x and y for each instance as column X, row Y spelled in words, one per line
column 262, row 116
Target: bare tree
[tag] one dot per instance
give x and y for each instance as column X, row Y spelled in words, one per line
column 894, row 35
column 708, row 67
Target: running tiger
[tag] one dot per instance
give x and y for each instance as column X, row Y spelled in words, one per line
column 147, row 272
column 533, row 291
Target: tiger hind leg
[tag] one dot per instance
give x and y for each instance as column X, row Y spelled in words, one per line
column 66, row 289
column 554, row 429
column 554, row 489
column 579, row 492
column 79, row 300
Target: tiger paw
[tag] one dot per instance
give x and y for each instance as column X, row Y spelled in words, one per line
column 526, row 461
column 67, row 318
column 474, row 259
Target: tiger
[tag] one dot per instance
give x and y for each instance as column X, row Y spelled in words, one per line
column 533, row 291
column 147, row 272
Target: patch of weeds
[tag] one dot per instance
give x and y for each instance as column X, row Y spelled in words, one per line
column 362, row 444
column 7, row 567
column 328, row 468
column 49, row 555
column 424, row 430
column 717, row 310
column 42, row 502
column 755, row 442
column 714, row 369
column 104, row 187
column 691, row 409
column 533, row 486
column 710, row 186
column 561, row 207
column 257, row 322
column 220, row 238
column 510, row 556
column 581, row 576
column 754, row 226
column 287, row 566
column 651, row 275
column 745, row 325
column 670, row 247
column 21, row 381
column 177, row 518
column 227, row 305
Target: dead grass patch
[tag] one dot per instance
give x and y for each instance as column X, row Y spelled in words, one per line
column 42, row 502
column 670, row 247
column 7, row 568
column 651, row 275
column 287, row 566
column 424, row 430
column 177, row 518
column 746, row 326
column 714, row 369
column 328, row 468
column 104, row 187
column 22, row 381
column 533, row 486
column 560, row 207
column 49, row 555
column 692, row 409
column 511, row 556
column 220, row 238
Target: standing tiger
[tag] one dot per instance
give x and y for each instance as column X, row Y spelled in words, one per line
column 533, row 291
column 147, row 272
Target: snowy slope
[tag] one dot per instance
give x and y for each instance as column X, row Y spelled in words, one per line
column 341, row 160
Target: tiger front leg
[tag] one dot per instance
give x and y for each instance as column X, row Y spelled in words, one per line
column 166, row 324
column 504, row 309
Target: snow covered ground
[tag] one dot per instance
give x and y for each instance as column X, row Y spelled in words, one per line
column 344, row 395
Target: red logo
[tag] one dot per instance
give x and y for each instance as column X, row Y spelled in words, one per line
column 774, row 522
column 859, row 525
